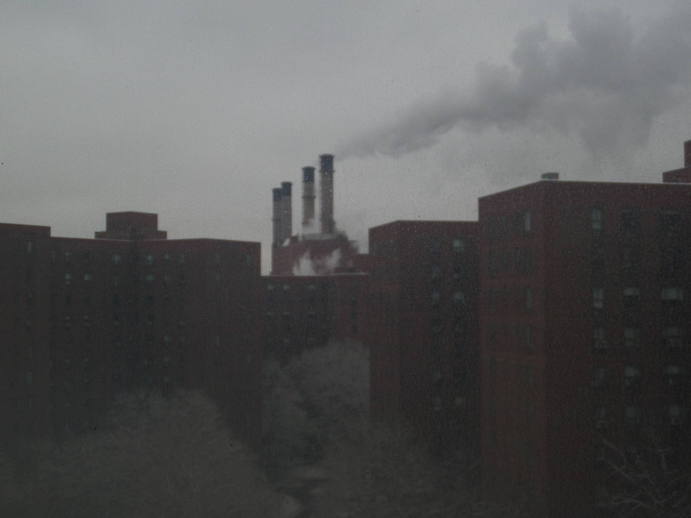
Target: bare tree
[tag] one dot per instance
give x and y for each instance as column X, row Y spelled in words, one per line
column 645, row 480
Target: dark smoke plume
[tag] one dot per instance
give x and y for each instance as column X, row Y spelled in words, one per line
column 604, row 83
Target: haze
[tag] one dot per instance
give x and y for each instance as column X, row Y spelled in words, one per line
column 195, row 110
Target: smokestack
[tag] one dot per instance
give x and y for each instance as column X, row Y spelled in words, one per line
column 276, row 216
column 326, row 170
column 287, row 212
column 307, row 197
column 687, row 153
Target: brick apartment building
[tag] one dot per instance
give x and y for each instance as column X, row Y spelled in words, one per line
column 83, row 319
column 423, row 341
column 559, row 318
column 584, row 316
column 303, row 312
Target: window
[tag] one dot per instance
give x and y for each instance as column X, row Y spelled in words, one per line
column 673, row 337
column 601, row 418
column 149, row 277
column 629, row 257
column 599, row 374
column 527, row 222
column 528, row 298
column 29, row 247
column 632, row 376
column 436, row 271
column 632, row 337
column 458, row 245
column 599, row 340
column 633, row 414
column 676, row 414
column 116, row 258
column 88, row 277
column 596, row 219
column 673, row 294
column 149, row 259
column 670, row 223
column 673, row 373
column 68, row 278
column 631, row 297
column 458, row 297
column 530, row 336
column 631, row 221
column 598, row 298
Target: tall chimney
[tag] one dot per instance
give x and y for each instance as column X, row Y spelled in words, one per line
column 687, row 153
column 287, row 212
column 276, row 216
column 326, row 170
column 307, row 197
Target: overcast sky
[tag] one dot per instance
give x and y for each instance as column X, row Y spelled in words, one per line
column 195, row 110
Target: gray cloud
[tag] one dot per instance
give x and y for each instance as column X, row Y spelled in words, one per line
column 606, row 83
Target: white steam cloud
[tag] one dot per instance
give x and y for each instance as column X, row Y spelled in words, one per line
column 604, row 83
column 326, row 265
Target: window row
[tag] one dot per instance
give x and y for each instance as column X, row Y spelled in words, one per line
column 673, row 337
column 518, row 297
column 517, row 260
column 669, row 223
column 674, row 375
column 632, row 295
column 507, row 225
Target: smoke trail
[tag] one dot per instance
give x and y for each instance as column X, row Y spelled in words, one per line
column 604, row 83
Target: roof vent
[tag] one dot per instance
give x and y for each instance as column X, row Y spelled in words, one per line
column 550, row 176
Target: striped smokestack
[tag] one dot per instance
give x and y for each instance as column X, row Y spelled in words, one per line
column 307, row 197
column 326, row 170
column 287, row 210
column 276, row 216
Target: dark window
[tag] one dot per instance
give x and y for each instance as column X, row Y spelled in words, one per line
column 670, row 224
column 632, row 337
column 596, row 219
column 631, row 221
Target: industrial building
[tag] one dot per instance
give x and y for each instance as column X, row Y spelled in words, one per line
column 315, row 250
